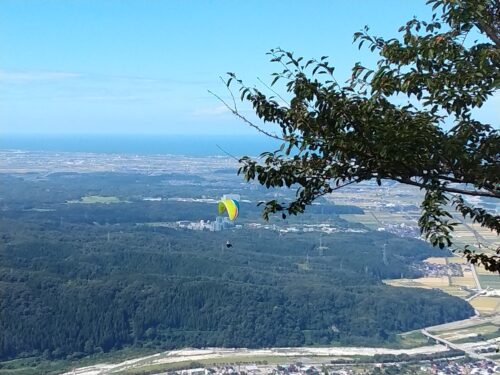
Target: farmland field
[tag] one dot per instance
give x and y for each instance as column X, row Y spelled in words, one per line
column 486, row 304
column 456, row 291
column 471, row 334
column 422, row 282
column 434, row 282
column 467, row 281
column 459, row 260
column 436, row 260
column 482, row 271
column 489, row 281
column 379, row 215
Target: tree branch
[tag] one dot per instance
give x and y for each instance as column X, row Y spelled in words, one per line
column 448, row 189
column 248, row 122
column 487, row 186
column 490, row 32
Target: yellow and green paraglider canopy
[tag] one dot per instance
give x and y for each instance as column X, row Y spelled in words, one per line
column 231, row 206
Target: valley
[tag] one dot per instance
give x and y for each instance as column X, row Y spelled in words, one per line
column 100, row 240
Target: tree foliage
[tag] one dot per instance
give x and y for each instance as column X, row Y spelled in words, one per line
column 409, row 119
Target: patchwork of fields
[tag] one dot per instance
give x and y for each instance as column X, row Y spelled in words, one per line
column 478, row 286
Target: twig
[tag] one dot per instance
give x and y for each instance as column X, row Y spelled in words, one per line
column 248, row 122
column 230, row 92
column 341, row 186
column 227, row 153
column 273, row 91
column 278, row 58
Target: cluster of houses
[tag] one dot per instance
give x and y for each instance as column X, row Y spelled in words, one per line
column 220, row 223
column 291, row 369
column 304, row 228
column 455, row 368
column 401, row 230
column 450, row 367
column 439, row 270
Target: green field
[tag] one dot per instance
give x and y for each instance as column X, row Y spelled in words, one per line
column 413, row 339
column 489, row 281
column 481, row 332
column 479, row 338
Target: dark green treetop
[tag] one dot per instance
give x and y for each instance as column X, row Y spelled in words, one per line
column 408, row 119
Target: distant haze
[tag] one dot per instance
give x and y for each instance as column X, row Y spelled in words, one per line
column 142, row 144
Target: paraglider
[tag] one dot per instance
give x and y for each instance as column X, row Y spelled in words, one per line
column 231, row 206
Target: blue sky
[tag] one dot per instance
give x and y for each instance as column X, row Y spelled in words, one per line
column 135, row 67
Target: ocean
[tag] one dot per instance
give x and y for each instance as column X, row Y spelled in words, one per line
column 205, row 145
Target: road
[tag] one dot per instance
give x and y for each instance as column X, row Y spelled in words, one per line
column 476, row 279
column 451, row 345
column 480, row 293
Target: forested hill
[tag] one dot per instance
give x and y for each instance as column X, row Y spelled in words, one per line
column 71, row 285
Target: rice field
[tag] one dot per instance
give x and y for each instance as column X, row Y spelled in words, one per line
column 486, row 304
column 471, row 233
column 436, row 260
column 407, row 283
column 456, row 291
column 466, row 234
column 482, row 271
column 489, row 281
column 477, row 329
column 485, row 233
column 459, row 260
column 423, row 282
column 434, row 282
column 466, row 281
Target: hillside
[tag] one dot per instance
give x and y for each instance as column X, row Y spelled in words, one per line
column 73, row 282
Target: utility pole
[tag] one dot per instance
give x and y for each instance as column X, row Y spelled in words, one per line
column 384, row 254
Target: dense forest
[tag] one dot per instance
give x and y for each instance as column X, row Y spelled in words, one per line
column 77, row 278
